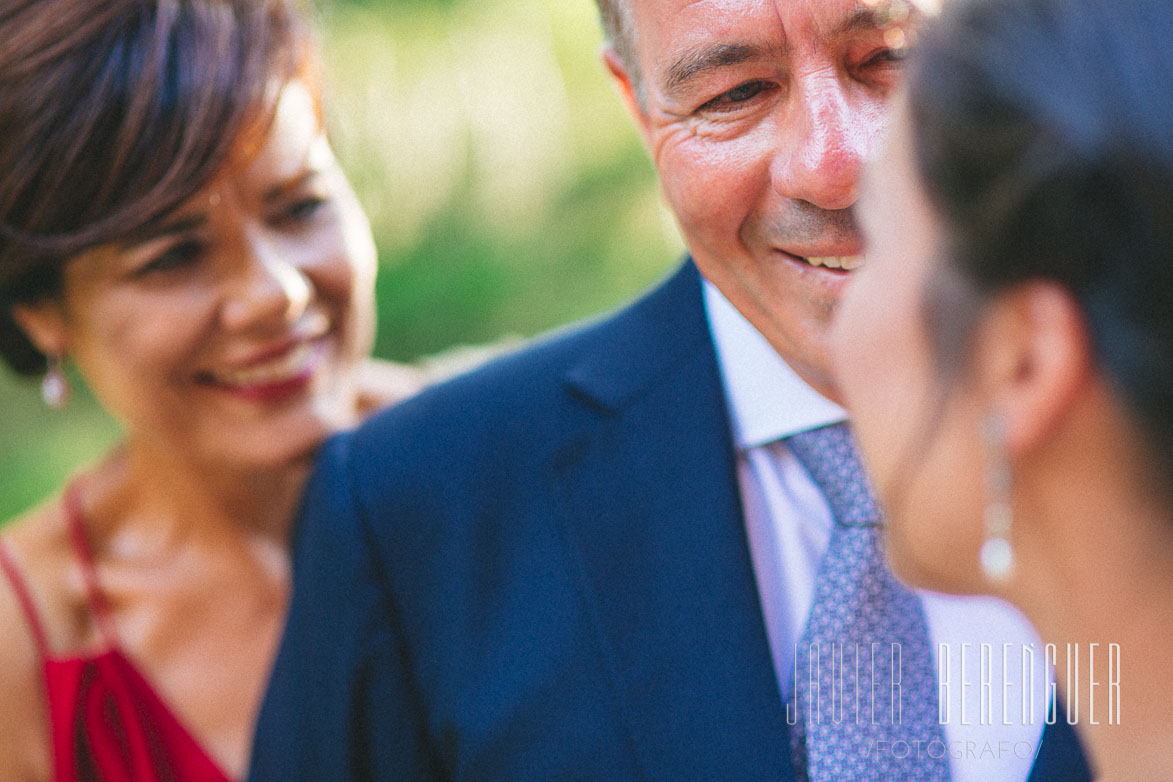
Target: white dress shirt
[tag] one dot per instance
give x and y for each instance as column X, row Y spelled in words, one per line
column 788, row 523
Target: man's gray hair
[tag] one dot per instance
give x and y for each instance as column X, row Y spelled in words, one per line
column 619, row 30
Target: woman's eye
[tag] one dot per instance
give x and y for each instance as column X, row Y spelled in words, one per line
column 302, row 210
column 178, row 256
column 728, row 101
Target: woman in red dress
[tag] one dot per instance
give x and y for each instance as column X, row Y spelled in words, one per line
column 174, row 224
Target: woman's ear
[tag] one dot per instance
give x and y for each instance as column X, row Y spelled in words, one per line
column 1033, row 359
column 44, row 324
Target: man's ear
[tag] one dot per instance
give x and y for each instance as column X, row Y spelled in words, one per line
column 627, row 91
column 1033, row 358
column 44, row 324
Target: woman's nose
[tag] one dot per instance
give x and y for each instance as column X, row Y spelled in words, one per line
column 270, row 287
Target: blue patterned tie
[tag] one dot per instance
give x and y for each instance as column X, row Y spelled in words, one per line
column 864, row 627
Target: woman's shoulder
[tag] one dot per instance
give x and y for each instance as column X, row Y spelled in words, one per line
column 37, row 536
column 41, row 526
column 42, row 584
column 28, row 593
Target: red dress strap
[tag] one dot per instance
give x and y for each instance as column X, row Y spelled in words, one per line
column 75, row 519
column 106, row 719
column 21, row 588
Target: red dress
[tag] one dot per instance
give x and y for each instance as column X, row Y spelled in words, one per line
column 106, row 721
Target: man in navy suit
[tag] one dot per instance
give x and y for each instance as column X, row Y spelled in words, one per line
column 592, row 560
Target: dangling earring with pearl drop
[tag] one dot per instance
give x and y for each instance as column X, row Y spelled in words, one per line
column 55, row 389
column 997, row 555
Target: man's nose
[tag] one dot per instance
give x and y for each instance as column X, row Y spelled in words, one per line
column 824, row 138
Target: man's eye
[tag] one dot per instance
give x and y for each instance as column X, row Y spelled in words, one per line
column 883, row 67
column 889, row 57
column 729, row 101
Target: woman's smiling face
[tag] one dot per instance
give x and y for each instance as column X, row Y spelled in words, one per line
column 230, row 330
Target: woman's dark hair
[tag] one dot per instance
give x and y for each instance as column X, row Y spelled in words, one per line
column 115, row 112
column 1043, row 133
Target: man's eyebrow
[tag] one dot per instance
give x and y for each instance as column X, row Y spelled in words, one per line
column 696, row 62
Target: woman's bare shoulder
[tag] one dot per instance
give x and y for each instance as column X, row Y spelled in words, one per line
column 35, row 528
column 30, row 543
column 36, row 547
column 39, row 546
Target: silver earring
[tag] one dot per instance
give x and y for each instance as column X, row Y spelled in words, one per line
column 997, row 555
column 54, row 385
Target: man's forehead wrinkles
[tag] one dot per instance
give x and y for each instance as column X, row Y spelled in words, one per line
column 837, row 21
column 877, row 14
column 862, row 16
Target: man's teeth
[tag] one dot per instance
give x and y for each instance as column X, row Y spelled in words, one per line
column 293, row 364
column 846, row 262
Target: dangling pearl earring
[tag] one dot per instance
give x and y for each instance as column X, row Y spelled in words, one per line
column 54, row 385
column 997, row 555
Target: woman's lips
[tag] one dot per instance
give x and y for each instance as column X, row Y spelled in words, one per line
column 280, row 375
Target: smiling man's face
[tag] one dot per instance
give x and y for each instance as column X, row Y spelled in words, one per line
column 758, row 115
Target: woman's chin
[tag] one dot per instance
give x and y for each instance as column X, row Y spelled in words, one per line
column 274, row 443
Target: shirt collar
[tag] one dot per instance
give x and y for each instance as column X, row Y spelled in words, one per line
column 767, row 399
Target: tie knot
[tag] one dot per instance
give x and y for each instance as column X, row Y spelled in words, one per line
column 829, row 455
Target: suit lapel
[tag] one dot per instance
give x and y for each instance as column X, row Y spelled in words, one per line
column 654, row 527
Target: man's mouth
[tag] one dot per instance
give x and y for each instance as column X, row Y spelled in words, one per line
column 841, row 262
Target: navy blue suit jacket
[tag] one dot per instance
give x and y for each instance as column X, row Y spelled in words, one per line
column 538, row 571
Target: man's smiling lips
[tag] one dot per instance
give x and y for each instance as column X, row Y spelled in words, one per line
column 843, row 263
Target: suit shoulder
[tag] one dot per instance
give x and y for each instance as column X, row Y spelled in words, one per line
column 520, row 392
column 502, row 420
column 508, row 403
column 510, row 395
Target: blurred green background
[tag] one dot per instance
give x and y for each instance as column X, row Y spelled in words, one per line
column 507, row 190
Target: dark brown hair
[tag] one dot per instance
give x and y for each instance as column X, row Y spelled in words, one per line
column 115, row 112
column 1043, row 133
